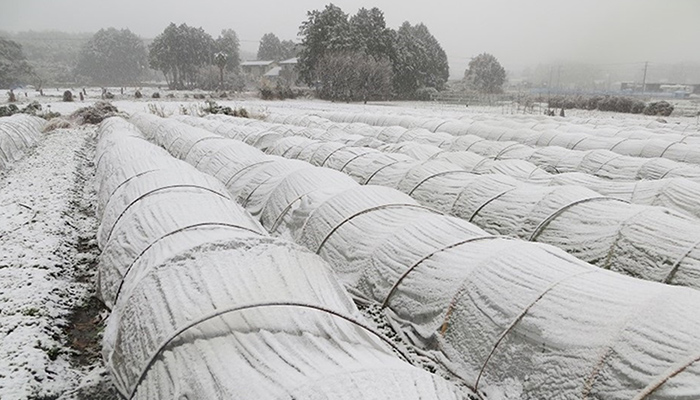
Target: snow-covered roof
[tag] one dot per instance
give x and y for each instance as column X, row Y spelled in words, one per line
column 256, row 63
column 274, row 71
column 289, row 61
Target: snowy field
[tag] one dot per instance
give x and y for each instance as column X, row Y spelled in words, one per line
column 345, row 251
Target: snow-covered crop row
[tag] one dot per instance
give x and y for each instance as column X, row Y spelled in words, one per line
column 18, row 134
column 649, row 242
column 609, row 124
column 680, row 194
column 205, row 304
column 553, row 158
column 512, row 318
column 683, row 150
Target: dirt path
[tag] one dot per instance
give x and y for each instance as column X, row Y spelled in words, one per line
column 49, row 322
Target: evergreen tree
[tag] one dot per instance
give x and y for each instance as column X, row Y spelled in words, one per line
column 14, row 68
column 485, row 74
column 228, row 43
column 112, row 56
column 270, row 48
column 324, row 32
column 420, row 61
column 179, row 52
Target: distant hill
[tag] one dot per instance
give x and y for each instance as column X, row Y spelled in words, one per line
column 52, row 54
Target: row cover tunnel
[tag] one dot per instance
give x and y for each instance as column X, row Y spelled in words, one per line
column 206, row 304
column 18, row 134
column 676, row 147
column 648, row 242
column 662, row 182
column 549, row 156
column 510, row 317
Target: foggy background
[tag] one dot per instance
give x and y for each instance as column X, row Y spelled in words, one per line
column 607, row 34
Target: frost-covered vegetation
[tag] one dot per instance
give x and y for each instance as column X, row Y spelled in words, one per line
column 611, row 103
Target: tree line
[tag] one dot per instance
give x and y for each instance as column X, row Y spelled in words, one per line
column 344, row 57
column 400, row 63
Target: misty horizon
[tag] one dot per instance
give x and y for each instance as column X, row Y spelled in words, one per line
column 610, row 35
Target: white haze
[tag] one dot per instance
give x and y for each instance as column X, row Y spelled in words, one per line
column 518, row 32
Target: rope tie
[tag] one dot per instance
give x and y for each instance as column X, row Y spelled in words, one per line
column 366, row 182
column 234, row 309
column 368, row 210
column 331, row 154
column 663, row 378
column 519, row 317
column 457, row 171
column 410, row 269
column 181, row 229
column 550, row 217
column 484, row 204
column 150, row 192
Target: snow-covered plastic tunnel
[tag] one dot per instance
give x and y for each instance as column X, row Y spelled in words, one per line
column 602, row 163
column 514, row 319
column 18, row 134
column 503, row 143
column 206, row 305
column 657, row 186
column 652, row 243
column 683, row 149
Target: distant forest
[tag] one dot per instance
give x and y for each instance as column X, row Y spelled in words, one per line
column 53, row 55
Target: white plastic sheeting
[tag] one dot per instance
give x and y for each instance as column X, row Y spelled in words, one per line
column 515, row 319
column 18, row 134
column 206, row 305
column 637, row 180
column 592, row 160
column 683, row 148
column 648, row 242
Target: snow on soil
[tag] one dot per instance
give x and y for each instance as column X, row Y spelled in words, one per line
column 47, row 258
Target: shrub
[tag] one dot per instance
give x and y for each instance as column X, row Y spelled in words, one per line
column 138, row 94
column 280, row 92
column 607, row 103
column 95, row 113
column 663, row 108
column 210, row 107
column 33, row 108
column 67, row 95
column 6, row 111
column 156, row 95
column 425, row 93
column 266, row 93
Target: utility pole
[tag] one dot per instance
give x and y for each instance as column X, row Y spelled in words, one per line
column 559, row 78
column 644, row 79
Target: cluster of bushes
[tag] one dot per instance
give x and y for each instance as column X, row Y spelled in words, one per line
column 33, row 108
column 211, row 107
column 611, row 103
column 659, row 108
column 95, row 113
column 425, row 93
column 279, row 92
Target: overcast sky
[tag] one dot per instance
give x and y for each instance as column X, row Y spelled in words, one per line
column 517, row 32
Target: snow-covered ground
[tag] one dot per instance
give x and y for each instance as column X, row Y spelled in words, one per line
column 50, row 321
column 47, row 258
